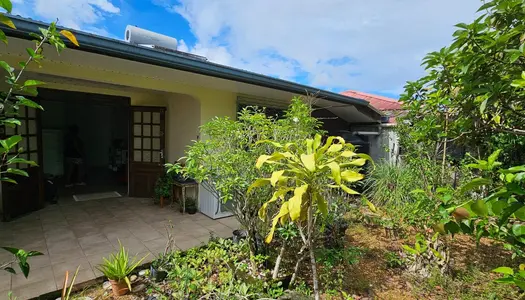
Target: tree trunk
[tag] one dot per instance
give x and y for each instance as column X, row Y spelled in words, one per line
column 311, row 250
column 444, row 158
column 278, row 261
column 252, row 243
column 297, row 264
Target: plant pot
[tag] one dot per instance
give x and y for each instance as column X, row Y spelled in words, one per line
column 191, row 210
column 157, row 275
column 163, row 200
column 239, row 234
column 119, row 288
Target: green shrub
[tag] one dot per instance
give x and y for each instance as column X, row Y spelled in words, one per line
column 391, row 184
column 393, row 260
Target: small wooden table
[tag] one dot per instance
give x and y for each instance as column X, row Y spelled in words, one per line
column 182, row 185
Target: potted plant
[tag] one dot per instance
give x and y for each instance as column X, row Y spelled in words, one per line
column 163, row 187
column 158, row 268
column 117, row 268
column 191, row 205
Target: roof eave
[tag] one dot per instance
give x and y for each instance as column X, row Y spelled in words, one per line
column 120, row 49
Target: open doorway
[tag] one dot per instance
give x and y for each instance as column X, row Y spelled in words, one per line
column 85, row 143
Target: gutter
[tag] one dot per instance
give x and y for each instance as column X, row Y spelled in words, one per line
column 120, row 49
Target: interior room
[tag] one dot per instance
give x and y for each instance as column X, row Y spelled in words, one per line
column 101, row 125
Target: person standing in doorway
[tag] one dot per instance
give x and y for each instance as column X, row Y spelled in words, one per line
column 74, row 154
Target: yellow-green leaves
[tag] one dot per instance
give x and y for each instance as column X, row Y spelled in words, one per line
column 304, row 169
column 348, row 153
column 309, row 146
column 329, row 142
column 371, row 206
column 336, row 171
column 317, row 142
column 282, row 212
column 258, row 183
column 351, row 176
column 348, row 190
column 70, row 36
column 308, row 161
column 261, row 160
column 321, row 204
column 276, row 176
column 274, row 158
column 5, row 20
column 295, row 203
column 335, row 148
column 279, row 194
column 358, row 162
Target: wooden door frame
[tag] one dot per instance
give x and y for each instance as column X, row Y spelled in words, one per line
column 6, row 210
column 131, row 137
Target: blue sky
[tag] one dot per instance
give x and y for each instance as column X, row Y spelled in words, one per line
column 372, row 46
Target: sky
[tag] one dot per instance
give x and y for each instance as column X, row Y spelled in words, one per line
column 372, row 46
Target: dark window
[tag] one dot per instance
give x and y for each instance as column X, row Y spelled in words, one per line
column 269, row 111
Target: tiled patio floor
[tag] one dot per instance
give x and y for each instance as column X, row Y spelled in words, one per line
column 81, row 233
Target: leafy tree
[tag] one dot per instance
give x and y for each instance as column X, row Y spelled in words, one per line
column 304, row 171
column 223, row 161
column 471, row 94
column 11, row 99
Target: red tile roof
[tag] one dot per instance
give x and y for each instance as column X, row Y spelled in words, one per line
column 379, row 102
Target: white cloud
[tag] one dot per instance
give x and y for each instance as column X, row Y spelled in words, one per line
column 373, row 45
column 77, row 14
column 182, row 46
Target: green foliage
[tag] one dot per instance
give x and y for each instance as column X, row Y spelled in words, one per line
column 393, row 260
column 66, row 291
column 119, row 266
column 223, row 160
column 307, row 170
column 510, row 277
column 472, row 92
column 11, row 100
column 334, row 266
column 468, row 284
column 164, row 186
column 303, row 173
column 218, row 270
column 390, row 184
column 20, row 257
column 13, row 97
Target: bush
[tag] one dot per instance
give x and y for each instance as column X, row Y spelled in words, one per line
column 218, row 270
column 224, row 160
column 391, row 184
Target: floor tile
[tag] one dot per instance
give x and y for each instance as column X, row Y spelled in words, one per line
column 83, row 275
column 131, row 244
column 71, row 266
column 85, row 229
column 187, row 244
column 96, row 248
column 35, row 275
column 62, row 246
column 5, row 282
column 82, row 233
column 146, row 234
column 92, row 239
column 66, row 256
column 35, row 289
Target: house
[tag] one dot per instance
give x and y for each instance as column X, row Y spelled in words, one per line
column 146, row 104
column 382, row 137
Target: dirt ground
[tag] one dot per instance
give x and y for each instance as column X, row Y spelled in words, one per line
column 471, row 276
